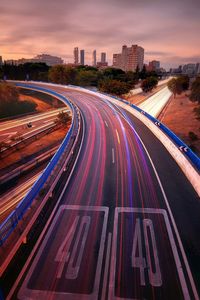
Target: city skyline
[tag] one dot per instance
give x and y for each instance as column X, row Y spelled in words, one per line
column 167, row 31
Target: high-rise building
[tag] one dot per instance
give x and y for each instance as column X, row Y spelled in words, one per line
column 82, row 57
column 189, row 69
column 103, row 57
column 129, row 58
column 154, row 65
column 1, row 60
column 48, row 59
column 117, row 60
column 40, row 58
column 197, row 71
column 94, row 58
column 76, row 56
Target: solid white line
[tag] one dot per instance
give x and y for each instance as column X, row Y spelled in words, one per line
column 26, row 293
column 117, row 136
column 48, row 222
column 169, row 211
column 173, row 223
column 106, row 123
column 165, row 198
column 105, row 279
column 113, row 156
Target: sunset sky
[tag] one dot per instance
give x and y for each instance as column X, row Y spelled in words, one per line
column 168, row 30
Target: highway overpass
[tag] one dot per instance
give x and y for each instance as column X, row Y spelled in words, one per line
column 126, row 225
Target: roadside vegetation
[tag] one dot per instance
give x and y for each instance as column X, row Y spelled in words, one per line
column 149, row 84
column 10, row 105
column 178, row 85
column 195, row 96
column 110, row 80
column 63, row 119
column 186, row 115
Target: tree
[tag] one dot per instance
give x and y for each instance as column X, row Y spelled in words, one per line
column 175, row 87
column 143, row 73
column 113, row 86
column 197, row 112
column 178, row 85
column 62, row 74
column 10, row 105
column 113, row 73
column 63, row 118
column 87, row 78
column 195, row 91
column 131, row 78
column 184, row 81
column 149, row 84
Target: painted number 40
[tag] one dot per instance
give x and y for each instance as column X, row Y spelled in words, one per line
column 74, row 256
column 151, row 263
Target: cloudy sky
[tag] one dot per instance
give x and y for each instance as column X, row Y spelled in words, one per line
column 169, row 30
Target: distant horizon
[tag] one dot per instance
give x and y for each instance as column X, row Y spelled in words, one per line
column 167, row 30
column 88, row 60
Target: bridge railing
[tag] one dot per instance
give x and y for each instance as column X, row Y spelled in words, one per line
column 192, row 157
column 10, row 223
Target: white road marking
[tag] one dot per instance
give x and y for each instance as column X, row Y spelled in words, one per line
column 179, row 267
column 73, row 268
column 9, row 134
column 168, row 206
column 106, row 123
column 118, row 139
column 26, row 293
column 106, row 269
column 155, row 277
column 113, row 155
column 13, row 289
column 174, row 225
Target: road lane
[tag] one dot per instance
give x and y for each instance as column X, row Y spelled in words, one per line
column 128, row 181
column 155, row 104
column 10, row 199
column 39, row 122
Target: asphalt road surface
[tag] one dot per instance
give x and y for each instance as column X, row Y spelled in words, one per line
column 127, row 226
column 39, row 122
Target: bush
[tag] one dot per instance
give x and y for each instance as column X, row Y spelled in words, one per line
column 63, row 118
column 149, row 84
column 10, row 105
column 113, row 86
column 195, row 91
column 192, row 136
column 197, row 112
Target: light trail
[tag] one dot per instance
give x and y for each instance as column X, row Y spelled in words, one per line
column 22, row 121
column 9, row 200
column 154, row 104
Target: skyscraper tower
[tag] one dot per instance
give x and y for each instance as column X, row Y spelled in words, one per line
column 103, row 57
column 94, row 58
column 82, row 57
column 76, row 55
column 130, row 58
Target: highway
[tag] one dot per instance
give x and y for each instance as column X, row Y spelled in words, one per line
column 138, row 90
column 39, row 122
column 155, row 104
column 11, row 198
column 123, row 226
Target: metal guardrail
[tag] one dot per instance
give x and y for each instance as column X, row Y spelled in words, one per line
column 25, row 141
column 193, row 158
column 7, row 227
column 27, row 166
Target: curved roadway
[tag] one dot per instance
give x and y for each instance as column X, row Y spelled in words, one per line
column 127, row 226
